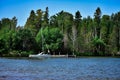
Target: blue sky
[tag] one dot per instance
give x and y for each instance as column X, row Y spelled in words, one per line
column 21, row 8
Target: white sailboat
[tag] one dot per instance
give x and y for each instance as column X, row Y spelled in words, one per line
column 40, row 55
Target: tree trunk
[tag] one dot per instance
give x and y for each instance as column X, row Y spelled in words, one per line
column 65, row 39
column 74, row 33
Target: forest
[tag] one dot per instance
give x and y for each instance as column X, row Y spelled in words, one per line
column 62, row 33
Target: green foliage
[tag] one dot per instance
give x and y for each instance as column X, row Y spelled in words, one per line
column 62, row 32
column 16, row 53
column 51, row 40
column 3, row 48
column 105, row 29
column 77, row 18
column 8, row 24
column 97, row 20
column 36, row 20
column 23, row 40
column 64, row 21
column 98, row 46
column 30, row 24
column 46, row 16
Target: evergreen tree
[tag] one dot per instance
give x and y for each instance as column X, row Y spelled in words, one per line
column 97, row 20
column 46, row 18
column 117, row 24
column 30, row 24
column 38, row 20
column 13, row 23
column 75, row 30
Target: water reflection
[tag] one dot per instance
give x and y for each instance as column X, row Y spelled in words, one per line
column 60, row 69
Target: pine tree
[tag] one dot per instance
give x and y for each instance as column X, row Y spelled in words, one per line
column 97, row 19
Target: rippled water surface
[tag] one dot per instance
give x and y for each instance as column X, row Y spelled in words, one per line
column 60, row 69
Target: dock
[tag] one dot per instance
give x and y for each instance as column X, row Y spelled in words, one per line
column 59, row 56
column 64, row 56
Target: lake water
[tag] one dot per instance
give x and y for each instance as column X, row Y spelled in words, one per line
column 85, row 68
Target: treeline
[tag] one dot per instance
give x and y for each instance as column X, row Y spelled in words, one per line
column 62, row 33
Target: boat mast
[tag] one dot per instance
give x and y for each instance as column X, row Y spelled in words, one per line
column 42, row 39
